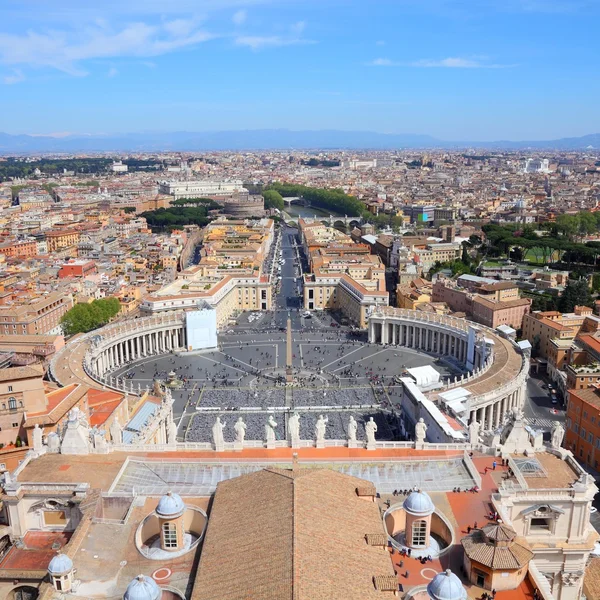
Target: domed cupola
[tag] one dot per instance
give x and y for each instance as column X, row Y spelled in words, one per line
column 142, row 588
column 418, row 504
column 60, row 570
column 170, row 506
column 60, row 565
column 446, row 586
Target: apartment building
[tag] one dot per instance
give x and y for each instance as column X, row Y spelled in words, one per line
column 21, row 391
column 541, row 327
column 413, row 294
column 483, row 305
column 344, row 276
column 19, row 249
column 443, row 252
column 582, row 435
column 77, row 268
column 61, row 239
column 34, row 315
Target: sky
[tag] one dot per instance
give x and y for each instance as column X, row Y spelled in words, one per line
column 464, row 70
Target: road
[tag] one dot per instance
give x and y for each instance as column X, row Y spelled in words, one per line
column 538, row 407
column 289, row 299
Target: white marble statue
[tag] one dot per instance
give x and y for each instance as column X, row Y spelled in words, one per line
column 294, row 429
column 116, row 434
column 217, row 432
column 240, row 431
column 420, row 431
column 37, row 438
column 558, row 434
column 171, row 432
column 270, row 426
column 320, row 428
column 352, row 428
column 474, row 428
column 168, row 397
column 371, row 430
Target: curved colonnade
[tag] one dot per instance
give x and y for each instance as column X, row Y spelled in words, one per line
column 498, row 369
column 90, row 358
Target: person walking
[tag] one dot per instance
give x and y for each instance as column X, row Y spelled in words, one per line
column 494, row 464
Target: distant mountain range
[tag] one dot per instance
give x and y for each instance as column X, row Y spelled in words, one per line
column 267, row 139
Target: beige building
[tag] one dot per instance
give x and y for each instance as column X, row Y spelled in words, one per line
column 21, row 390
column 540, row 328
column 344, row 276
column 38, row 315
column 229, row 276
column 489, row 306
column 414, row 294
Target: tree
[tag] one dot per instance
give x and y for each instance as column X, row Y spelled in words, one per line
column 273, row 199
column 567, row 225
column 576, row 293
column 465, row 258
column 85, row 317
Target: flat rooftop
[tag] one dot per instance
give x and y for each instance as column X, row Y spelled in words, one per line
column 546, row 471
column 197, row 473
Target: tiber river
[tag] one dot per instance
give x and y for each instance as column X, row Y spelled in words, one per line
column 297, row 210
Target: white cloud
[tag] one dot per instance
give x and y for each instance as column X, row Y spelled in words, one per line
column 444, row 63
column 380, row 43
column 449, row 63
column 239, row 17
column 383, row 62
column 258, row 42
column 299, row 27
column 65, row 50
column 15, row 77
column 112, row 72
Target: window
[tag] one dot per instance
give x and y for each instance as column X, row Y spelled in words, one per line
column 15, row 425
column 538, row 524
column 170, row 535
column 582, row 433
column 12, row 403
column 419, row 533
column 591, row 438
column 10, row 388
column 2, row 466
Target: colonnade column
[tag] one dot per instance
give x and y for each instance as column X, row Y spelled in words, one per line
column 496, row 414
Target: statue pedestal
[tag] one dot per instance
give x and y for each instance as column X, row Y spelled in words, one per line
column 270, row 445
column 371, row 446
column 238, row 446
column 354, row 444
column 320, row 444
column 420, row 445
column 295, row 443
column 219, row 447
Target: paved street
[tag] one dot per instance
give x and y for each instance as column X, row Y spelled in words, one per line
column 538, row 408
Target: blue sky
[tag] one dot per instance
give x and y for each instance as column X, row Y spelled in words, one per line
column 454, row 69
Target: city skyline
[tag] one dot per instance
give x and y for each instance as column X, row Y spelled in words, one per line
column 452, row 70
